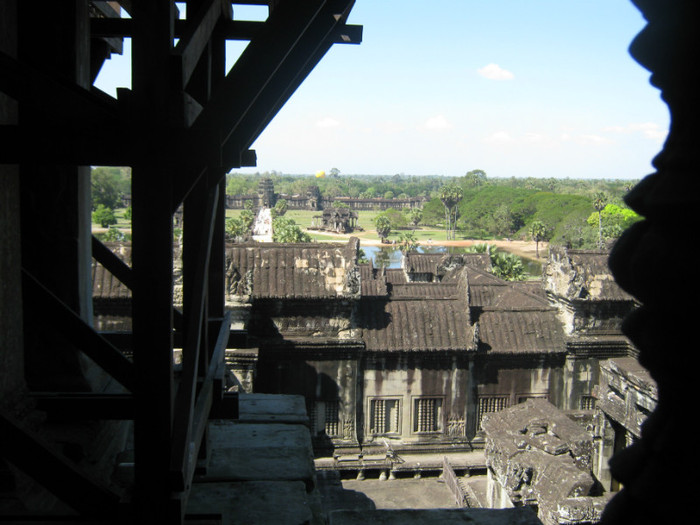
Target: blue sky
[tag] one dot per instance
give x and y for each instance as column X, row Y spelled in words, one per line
column 542, row 88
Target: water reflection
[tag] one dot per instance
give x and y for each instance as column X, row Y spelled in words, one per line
column 391, row 256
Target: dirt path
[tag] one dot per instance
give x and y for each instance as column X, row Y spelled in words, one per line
column 522, row 248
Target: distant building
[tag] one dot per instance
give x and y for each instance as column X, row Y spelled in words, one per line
column 337, row 220
column 312, row 200
column 413, row 358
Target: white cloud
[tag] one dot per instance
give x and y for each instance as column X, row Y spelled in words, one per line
column 495, row 72
column 594, row 139
column 437, row 122
column 327, row 122
column 499, row 136
column 649, row 130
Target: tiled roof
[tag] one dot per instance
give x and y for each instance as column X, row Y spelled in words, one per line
column 441, row 263
column 106, row 286
column 521, row 331
column 395, row 276
column 418, row 290
column 504, row 295
column 415, row 325
column 305, row 270
column 422, row 262
column 372, row 280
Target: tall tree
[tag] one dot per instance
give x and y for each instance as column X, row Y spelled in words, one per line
column 408, row 242
column 383, row 226
column 415, row 215
column 450, row 196
column 475, row 178
column 537, row 231
column 599, row 202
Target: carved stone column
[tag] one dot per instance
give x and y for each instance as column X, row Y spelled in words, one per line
column 656, row 470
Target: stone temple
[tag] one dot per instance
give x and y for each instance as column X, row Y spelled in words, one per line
column 156, row 423
column 401, row 369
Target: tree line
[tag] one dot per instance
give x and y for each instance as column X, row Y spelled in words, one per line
column 581, row 213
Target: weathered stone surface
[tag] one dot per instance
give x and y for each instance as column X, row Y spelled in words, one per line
column 540, row 457
column 260, row 452
column 435, row 517
column 253, row 502
column 271, row 408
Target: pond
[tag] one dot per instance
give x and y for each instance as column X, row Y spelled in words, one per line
column 391, row 256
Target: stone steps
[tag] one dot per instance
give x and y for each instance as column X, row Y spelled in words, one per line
column 260, row 468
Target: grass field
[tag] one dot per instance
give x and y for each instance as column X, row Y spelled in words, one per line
column 424, row 235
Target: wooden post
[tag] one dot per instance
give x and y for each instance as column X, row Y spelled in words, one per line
column 152, row 261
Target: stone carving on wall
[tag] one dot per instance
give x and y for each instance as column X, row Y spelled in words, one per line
column 456, row 426
column 348, row 427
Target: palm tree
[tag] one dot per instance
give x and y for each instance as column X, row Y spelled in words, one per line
column 450, row 196
column 408, row 242
column 599, row 203
column 383, row 226
column 507, row 266
column 537, row 231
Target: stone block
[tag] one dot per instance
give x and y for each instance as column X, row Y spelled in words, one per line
column 272, row 408
column 259, row 452
column 522, row 516
column 253, row 502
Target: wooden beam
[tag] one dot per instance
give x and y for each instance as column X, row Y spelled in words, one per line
column 112, row 263
column 194, row 41
column 184, row 472
column 231, row 29
column 195, row 275
column 58, row 99
column 152, row 260
column 78, row 332
column 255, row 68
column 68, row 144
column 121, row 270
column 311, row 48
column 80, row 406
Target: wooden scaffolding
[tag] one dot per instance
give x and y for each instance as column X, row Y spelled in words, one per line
column 181, row 127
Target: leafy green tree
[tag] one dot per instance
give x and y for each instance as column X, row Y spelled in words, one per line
column 415, row 215
column 383, row 226
column 248, row 217
column 450, row 196
column 537, row 231
column 612, row 220
column 104, row 216
column 397, row 219
column 112, row 235
column 236, row 228
column 407, row 242
column 279, row 209
column 285, row 229
column 599, row 203
column 362, row 257
column 507, row 266
column 108, row 185
column 479, row 248
column 475, row 178
column 502, row 220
